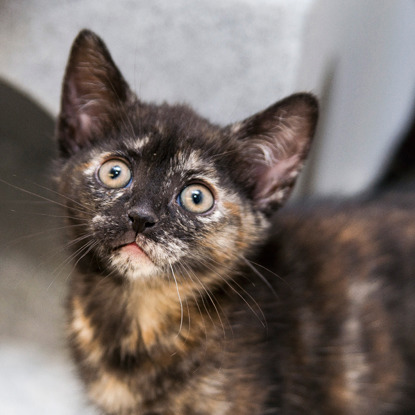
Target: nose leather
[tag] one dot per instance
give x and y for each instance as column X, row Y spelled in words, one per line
column 142, row 219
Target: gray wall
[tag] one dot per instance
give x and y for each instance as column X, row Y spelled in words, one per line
column 228, row 58
column 359, row 56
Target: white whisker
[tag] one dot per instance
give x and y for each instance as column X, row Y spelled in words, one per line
column 188, row 314
column 21, row 189
column 211, row 299
column 71, row 257
column 64, row 196
column 262, row 277
column 261, row 316
column 43, row 233
column 195, row 298
column 180, row 300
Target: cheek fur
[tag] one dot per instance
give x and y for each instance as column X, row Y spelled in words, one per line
column 233, row 233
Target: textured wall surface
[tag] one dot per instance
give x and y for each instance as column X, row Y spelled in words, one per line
column 359, row 57
column 228, row 58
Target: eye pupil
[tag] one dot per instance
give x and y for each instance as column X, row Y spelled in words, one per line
column 115, row 172
column 197, row 197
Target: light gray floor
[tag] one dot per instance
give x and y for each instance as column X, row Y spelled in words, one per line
column 36, row 376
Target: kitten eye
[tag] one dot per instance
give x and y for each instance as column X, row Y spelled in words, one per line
column 196, row 198
column 115, row 174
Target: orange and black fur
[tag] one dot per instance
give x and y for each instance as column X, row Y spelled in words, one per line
column 191, row 297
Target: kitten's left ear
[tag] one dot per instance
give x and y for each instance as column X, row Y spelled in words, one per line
column 274, row 145
column 93, row 93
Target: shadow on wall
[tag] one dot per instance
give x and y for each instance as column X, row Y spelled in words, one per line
column 27, row 149
column 33, row 267
column 32, row 259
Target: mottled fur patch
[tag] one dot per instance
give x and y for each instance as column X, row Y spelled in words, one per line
column 112, row 395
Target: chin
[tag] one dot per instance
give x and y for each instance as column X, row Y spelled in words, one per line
column 133, row 264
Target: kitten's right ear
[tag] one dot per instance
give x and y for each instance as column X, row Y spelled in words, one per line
column 92, row 94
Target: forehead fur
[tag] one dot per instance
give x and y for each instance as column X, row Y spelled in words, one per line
column 169, row 136
column 175, row 124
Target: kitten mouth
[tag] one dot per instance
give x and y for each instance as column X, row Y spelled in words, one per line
column 131, row 260
column 133, row 248
column 128, row 239
column 134, row 251
column 129, row 245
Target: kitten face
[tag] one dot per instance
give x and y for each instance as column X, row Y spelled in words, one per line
column 191, row 216
column 157, row 191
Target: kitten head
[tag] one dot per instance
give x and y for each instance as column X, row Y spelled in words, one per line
column 153, row 190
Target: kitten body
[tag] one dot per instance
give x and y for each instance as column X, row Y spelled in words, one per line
column 190, row 296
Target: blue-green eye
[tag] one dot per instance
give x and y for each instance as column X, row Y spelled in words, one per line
column 114, row 173
column 196, row 198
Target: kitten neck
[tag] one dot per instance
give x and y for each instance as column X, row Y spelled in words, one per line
column 162, row 311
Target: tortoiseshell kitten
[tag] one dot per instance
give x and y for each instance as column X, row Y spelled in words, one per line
column 190, row 297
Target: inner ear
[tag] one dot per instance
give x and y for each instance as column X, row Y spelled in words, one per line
column 93, row 92
column 274, row 145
